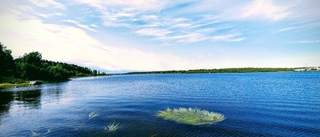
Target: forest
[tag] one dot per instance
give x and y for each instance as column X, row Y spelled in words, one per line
column 31, row 66
column 224, row 70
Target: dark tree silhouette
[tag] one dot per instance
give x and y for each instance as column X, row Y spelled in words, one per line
column 7, row 67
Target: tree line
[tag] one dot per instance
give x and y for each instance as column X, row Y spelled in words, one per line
column 31, row 66
column 225, row 70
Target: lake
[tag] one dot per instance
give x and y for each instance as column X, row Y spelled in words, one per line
column 254, row 104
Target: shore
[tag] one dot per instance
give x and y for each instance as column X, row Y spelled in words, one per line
column 26, row 83
column 7, row 85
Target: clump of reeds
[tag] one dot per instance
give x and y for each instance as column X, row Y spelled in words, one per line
column 192, row 116
column 112, row 127
column 93, row 115
column 36, row 133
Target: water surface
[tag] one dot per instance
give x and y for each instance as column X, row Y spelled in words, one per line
column 254, row 104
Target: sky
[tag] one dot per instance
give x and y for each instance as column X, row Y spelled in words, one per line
column 145, row 35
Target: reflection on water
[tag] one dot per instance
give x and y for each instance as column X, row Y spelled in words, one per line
column 23, row 107
column 5, row 99
column 30, row 99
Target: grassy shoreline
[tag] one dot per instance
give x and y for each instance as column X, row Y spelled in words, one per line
column 21, row 83
column 7, row 85
column 24, row 83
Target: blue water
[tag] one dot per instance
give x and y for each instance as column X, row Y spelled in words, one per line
column 254, row 104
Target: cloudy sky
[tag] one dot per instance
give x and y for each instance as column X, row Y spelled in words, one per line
column 139, row 35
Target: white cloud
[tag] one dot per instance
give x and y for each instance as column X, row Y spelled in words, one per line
column 47, row 3
column 265, row 9
column 306, row 10
column 287, row 29
column 301, row 25
column 156, row 32
column 305, row 41
column 94, row 25
column 189, row 38
column 230, row 37
column 142, row 17
column 181, row 25
column 80, row 25
column 34, row 35
column 118, row 17
column 49, row 15
column 153, row 5
column 149, row 18
column 185, row 31
column 21, row 11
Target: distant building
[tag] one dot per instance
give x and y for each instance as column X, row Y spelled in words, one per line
column 308, row 69
column 300, row 69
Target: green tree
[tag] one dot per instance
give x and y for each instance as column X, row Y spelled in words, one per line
column 33, row 58
column 58, row 73
column 28, row 66
column 95, row 72
column 6, row 62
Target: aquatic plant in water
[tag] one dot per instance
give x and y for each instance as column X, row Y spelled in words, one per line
column 35, row 133
column 112, row 128
column 93, row 114
column 191, row 116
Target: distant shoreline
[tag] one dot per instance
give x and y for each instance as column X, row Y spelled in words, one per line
column 192, row 71
column 228, row 70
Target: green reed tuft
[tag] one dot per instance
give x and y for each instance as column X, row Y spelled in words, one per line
column 191, row 116
column 112, row 128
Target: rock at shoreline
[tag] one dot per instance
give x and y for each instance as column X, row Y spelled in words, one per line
column 35, row 82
